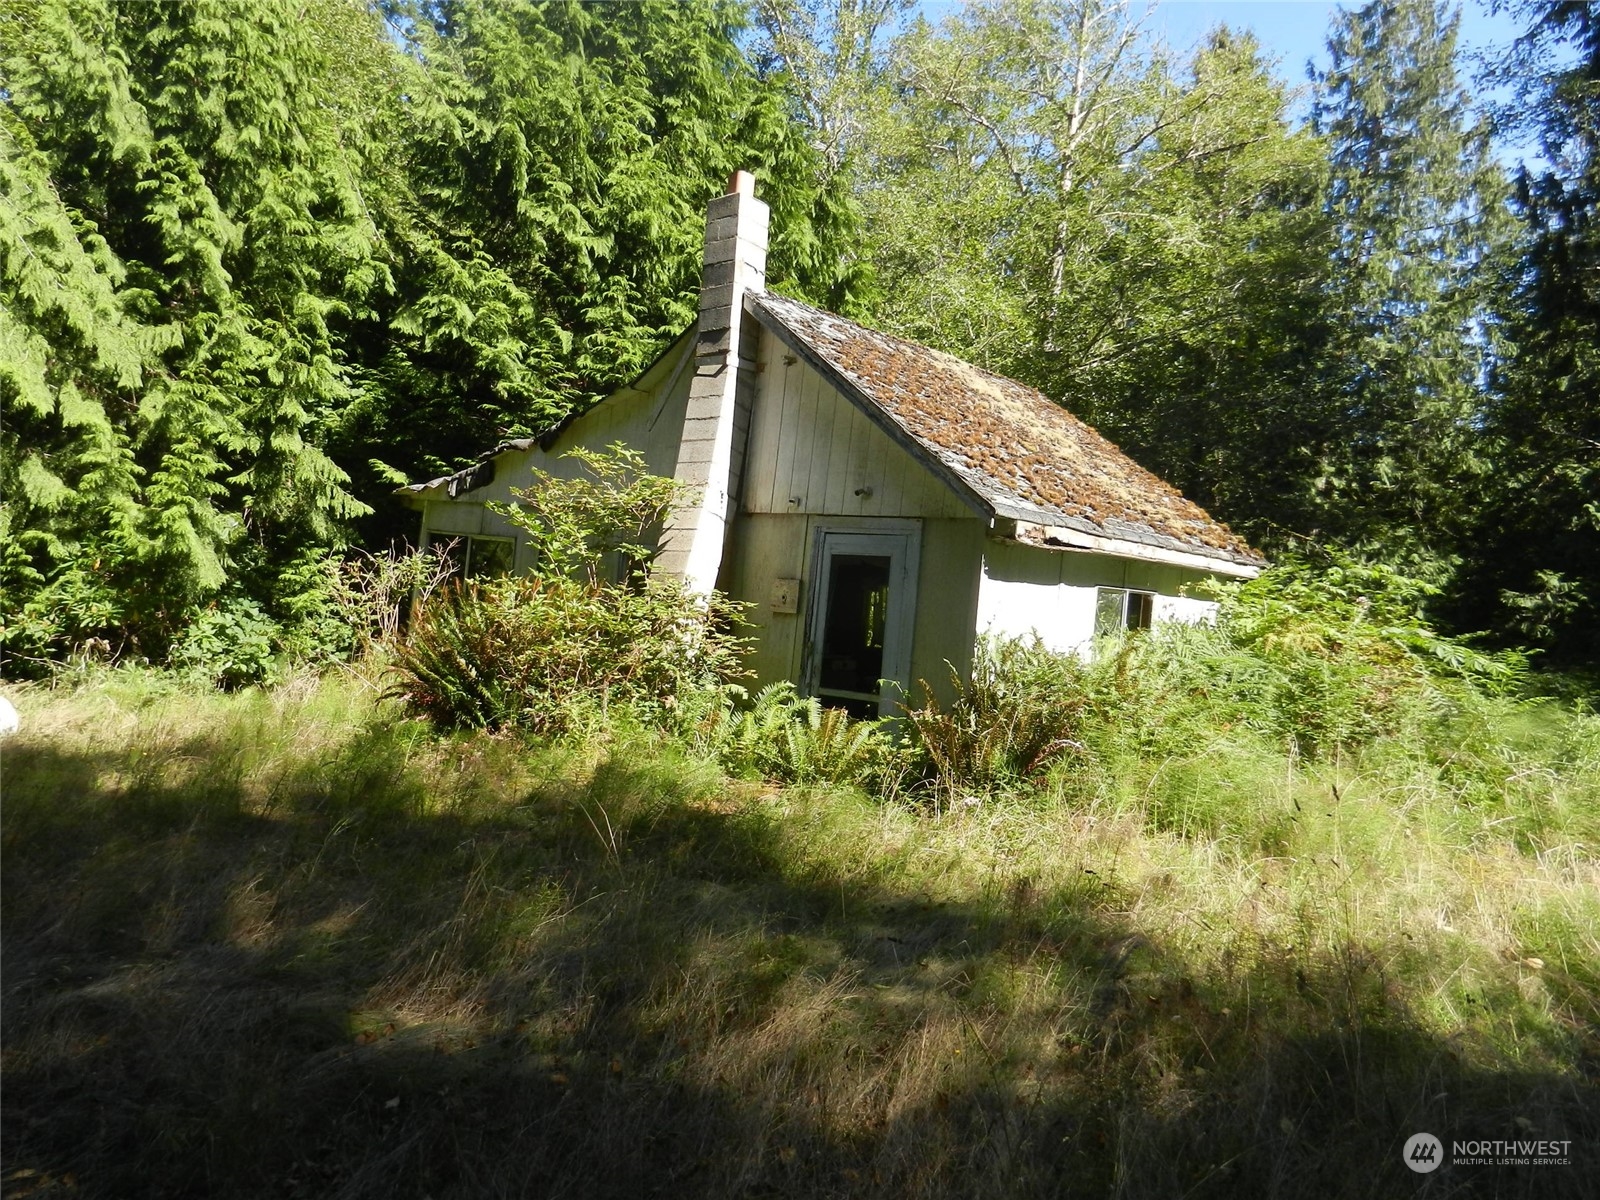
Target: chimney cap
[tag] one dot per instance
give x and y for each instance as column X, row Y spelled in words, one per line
column 742, row 183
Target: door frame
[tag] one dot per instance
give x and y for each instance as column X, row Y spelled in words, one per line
column 898, row 540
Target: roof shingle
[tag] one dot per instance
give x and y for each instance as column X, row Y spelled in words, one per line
column 1023, row 455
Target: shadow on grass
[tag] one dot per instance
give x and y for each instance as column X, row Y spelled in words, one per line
column 635, row 985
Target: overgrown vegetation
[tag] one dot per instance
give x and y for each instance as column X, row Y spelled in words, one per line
column 593, row 630
column 535, row 900
column 259, row 262
column 294, row 942
column 262, row 260
column 528, row 896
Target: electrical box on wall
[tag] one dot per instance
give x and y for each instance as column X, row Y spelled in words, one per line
column 785, row 596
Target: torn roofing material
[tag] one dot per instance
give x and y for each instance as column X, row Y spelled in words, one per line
column 479, row 474
column 1022, row 455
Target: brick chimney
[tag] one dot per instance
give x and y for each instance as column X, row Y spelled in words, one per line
column 735, row 263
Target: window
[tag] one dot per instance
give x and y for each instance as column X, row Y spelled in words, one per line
column 475, row 557
column 1117, row 609
column 489, row 557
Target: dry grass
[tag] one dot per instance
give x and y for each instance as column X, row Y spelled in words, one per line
column 293, row 944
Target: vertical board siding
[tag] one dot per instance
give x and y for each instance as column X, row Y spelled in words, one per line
column 770, row 546
column 811, row 443
column 812, row 428
column 785, row 407
column 766, row 439
column 950, row 575
column 836, row 472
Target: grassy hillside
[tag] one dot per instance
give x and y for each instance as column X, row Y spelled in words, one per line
column 295, row 943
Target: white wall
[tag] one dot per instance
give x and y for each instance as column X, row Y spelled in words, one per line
column 1026, row 590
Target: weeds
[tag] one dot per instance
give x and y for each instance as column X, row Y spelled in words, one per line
column 1017, row 713
column 1219, row 911
column 558, row 652
column 558, row 655
column 294, row 943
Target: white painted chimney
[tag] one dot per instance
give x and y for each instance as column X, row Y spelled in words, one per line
column 735, row 263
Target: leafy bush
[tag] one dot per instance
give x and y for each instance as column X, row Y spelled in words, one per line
column 1367, row 612
column 233, row 644
column 82, row 610
column 1344, row 653
column 371, row 593
column 550, row 654
column 576, row 525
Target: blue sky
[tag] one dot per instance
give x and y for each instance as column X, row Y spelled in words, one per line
column 1296, row 30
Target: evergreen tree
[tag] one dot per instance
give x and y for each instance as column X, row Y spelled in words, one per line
column 561, row 158
column 1417, row 204
column 260, row 258
column 1533, row 553
column 175, row 195
column 1217, row 373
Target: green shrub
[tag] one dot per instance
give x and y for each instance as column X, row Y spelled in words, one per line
column 1320, row 661
column 368, row 595
column 551, row 654
column 794, row 739
column 233, row 644
column 1019, row 712
column 576, row 526
column 79, row 612
column 554, row 655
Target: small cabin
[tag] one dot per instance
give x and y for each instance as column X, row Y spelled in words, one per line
column 879, row 504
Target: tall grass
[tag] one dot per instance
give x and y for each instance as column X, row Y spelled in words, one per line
column 296, row 943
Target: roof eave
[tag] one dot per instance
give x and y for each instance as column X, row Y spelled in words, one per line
column 1059, row 537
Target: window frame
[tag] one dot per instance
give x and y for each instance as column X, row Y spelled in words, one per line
column 458, row 550
column 1135, row 610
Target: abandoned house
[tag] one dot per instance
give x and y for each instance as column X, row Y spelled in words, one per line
column 879, row 504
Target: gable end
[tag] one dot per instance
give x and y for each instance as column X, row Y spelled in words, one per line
column 842, row 384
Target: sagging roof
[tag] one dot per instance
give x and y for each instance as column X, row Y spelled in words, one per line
column 1022, row 455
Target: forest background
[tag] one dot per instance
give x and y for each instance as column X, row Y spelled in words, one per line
column 260, row 263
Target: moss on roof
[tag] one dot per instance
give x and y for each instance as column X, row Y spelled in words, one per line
column 1023, row 454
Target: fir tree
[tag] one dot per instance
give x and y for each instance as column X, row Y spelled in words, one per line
column 1533, row 551
column 221, row 212
column 1417, row 204
column 260, row 259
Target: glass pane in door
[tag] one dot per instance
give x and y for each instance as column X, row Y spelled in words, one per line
column 854, row 624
